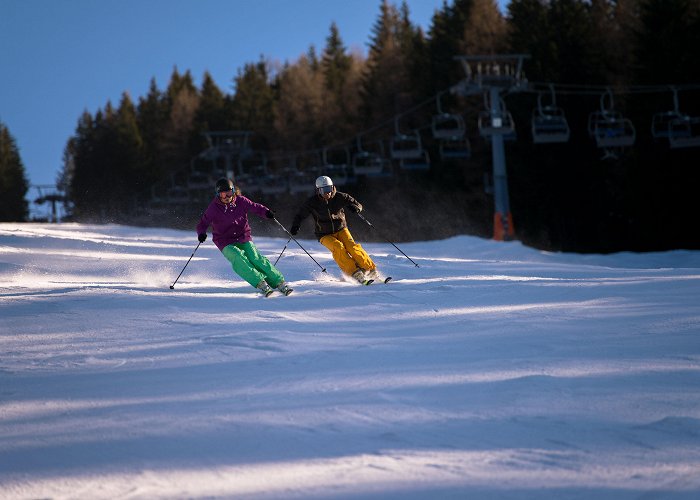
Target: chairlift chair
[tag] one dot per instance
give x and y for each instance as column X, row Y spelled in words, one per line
column 681, row 130
column 302, row 181
column 336, row 164
column 414, row 164
column 609, row 128
column 661, row 124
column 447, row 125
column 367, row 162
column 549, row 129
column 273, row 184
column 406, row 147
column 684, row 132
column 455, row 148
column 549, row 124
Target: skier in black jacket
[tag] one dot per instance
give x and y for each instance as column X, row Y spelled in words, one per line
column 327, row 208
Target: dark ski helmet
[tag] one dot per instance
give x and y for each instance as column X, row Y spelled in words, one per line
column 223, row 185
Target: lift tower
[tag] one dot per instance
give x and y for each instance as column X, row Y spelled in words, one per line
column 493, row 75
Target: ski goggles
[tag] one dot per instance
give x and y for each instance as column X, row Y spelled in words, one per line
column 325, row 189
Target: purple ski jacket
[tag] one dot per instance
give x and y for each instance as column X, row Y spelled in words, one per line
column 229, row 221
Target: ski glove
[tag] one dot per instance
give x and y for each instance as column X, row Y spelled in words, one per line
column 294, row 230
column 270, row 214
column 355, row 209
column 202, row 237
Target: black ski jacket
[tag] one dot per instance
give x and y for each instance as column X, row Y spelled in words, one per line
column 329, row 216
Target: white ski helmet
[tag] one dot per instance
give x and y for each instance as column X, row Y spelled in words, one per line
column 324, row 184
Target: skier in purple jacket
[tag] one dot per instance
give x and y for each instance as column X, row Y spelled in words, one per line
column 228, row 216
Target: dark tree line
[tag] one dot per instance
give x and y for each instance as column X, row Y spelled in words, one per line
column 563, row 196
column 13, row 181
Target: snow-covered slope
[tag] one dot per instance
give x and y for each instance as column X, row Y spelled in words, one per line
column 490, row 371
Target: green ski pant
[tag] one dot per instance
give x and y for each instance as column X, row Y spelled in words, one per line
column 250, row 265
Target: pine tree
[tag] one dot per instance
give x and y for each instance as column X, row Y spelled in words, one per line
column 130, row 184
column 386, row 76
column 341, row 98
column 529, row 33
column 484, row 30
column 253, row 103
column 152, row 116
column 667, row 48
column 13, row 182
column 299, row 107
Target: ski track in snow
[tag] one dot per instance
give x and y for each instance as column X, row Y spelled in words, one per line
column 492, row 371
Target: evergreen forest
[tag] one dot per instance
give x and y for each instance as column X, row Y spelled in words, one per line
column 154, row 159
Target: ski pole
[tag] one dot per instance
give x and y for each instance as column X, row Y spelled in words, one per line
column 183, row 269
column 372, row 226
column 280, row 255
column 291, row 237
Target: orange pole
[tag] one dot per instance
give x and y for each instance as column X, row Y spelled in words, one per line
column 503, row 228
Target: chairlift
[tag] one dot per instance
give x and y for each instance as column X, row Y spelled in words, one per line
column 272, row 184
column 405, row 146
column 684, row 132
column 549, row 124
column 301, row 180
column 336, row 165
column 252, row 163
column 447, row 125
column 422, row 163
column 455, row 148
column 681, row 130
column 609, row 128
column 367, row 162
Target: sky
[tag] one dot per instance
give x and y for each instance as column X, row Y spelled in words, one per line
column 491, row 371
column 60, row 58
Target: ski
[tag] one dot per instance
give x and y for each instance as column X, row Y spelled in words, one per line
column 385, row 281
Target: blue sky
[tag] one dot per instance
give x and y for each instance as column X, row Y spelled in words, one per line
column 61, row 57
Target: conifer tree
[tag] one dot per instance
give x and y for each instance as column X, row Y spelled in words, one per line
column 253, row 103
column 529, row 33
column 386, row 74
column 79, row 157
column 484, row 30
column 130, row 184
column 667, row 48
column 340, row 96
column 13, row 182
column 152, row 116
column 299, row 106
column 335, row 64
column 177, row 148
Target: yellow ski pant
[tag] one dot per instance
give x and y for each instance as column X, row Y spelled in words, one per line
column 348, row 254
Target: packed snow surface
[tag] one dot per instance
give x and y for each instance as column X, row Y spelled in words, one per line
column 491, row 371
